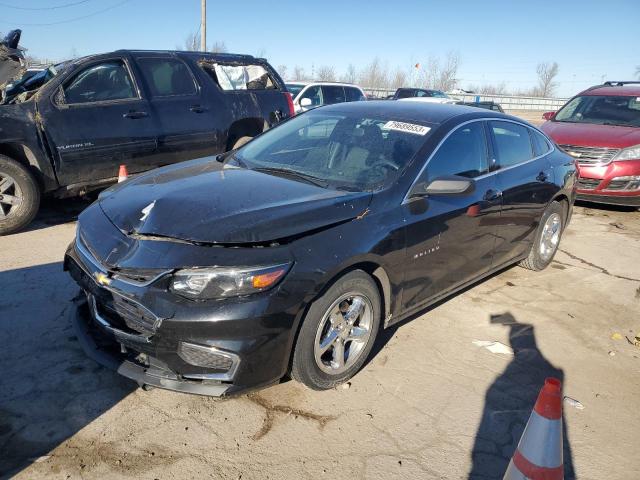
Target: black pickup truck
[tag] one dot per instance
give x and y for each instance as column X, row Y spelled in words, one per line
column 65, row 131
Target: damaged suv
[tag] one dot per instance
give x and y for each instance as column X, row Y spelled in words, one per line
column 287, row 256
column 65, row 130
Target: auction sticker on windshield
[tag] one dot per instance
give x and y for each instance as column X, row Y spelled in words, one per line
column 406, row 127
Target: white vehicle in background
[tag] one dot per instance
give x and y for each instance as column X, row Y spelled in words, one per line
column 422, row 95
column 308, row 95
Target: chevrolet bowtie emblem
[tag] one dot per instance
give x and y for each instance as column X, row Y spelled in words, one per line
column 575, row 154
column 102, row 278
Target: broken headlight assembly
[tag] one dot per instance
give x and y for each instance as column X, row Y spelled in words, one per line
column 224, row 282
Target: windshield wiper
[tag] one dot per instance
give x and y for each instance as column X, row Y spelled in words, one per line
column 318, row 182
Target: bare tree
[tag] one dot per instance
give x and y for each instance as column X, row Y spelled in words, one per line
column 441, row 75
column 638, row 72
column 282, row 70
column 350, row 76
column 547, row 73
column 399, row 78
column 219, row 47
column 490, row 89
column 374, row 75
column 192, row 42
column 326, row 73
column 298, row 73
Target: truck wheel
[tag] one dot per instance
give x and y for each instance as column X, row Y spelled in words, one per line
column 547, row 239
column 19, row 196
column 241, row 141
column 338, row 332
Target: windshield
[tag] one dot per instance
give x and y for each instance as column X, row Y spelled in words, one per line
column 602, row 110
column 337, row 150
column 439, row 94
column 294, row 88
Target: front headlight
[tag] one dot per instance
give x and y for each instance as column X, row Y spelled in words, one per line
column 631, row 153
column 223, row 282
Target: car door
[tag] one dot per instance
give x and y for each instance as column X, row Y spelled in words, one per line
column 97, row 120
column 526, row 182
column 186, row 127
column 451, row 238
column 314, row 94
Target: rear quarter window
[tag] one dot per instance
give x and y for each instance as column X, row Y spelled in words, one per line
column 239, row 77
column 353, row 94
column 540, row 144
column 167, row 77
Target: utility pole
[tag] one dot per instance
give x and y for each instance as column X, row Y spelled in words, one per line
column 203, row 25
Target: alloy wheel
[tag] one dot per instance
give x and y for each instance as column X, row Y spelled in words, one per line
column 10, row 195
column 343, row 333
column 550, row 237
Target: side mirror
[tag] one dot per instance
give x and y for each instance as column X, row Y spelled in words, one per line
column 305, row 102
column 548, row 115
column 450, row 185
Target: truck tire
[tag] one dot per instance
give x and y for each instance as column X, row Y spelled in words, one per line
column 19, row 196
column 241, row 141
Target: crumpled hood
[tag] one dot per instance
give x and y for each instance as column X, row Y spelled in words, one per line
column 611, row 136
column 205, row 202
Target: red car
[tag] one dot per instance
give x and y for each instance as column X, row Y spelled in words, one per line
column 600, row 128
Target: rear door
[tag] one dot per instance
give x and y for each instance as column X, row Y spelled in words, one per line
column 186, row 126
column 525, row 178
column 97, row 120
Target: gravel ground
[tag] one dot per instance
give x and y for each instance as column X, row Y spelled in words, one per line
column 429, row 404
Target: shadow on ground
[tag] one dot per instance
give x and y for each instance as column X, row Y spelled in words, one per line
column 49, row 389
column 509, row 402
column 58, row 211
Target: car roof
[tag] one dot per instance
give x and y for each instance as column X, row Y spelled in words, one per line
column 306, row 83
column 228, row 57
column 434, row 113
column 615, row 89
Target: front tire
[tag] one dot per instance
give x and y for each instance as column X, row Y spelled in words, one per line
column 547, row 239
column 19, row 196
column 338, row 332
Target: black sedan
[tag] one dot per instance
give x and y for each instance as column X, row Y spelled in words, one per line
column 287, row 256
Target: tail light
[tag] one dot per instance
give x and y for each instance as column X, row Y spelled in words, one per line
column 290, row 104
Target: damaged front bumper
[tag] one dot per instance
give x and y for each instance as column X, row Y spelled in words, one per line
column 104, row 346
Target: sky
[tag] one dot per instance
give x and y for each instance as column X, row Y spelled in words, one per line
column 496, row 40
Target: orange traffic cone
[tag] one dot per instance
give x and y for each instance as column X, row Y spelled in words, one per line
column 539, row 453
column 122, row 173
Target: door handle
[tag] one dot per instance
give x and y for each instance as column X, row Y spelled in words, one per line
column 134, row 115
column 197, row 109
column 492, row 195
column 542, row 177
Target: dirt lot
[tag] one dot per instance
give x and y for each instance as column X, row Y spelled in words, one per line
column 430, row 403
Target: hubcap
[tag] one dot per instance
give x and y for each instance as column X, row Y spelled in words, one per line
column 343, row 333
column 550, row 237
column 10, row 195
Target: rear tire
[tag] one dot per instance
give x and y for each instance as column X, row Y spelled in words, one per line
column 338, row 332
column 547, row 239
column 19, row 196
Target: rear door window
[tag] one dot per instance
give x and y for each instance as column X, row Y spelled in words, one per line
column 105, row 81
column 333, row 94
column 167, row 77
column 353, row 94
column 512, row 143
column 239, row 77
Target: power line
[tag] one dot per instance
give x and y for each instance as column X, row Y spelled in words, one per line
column 68, row 20
column 55, row 7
